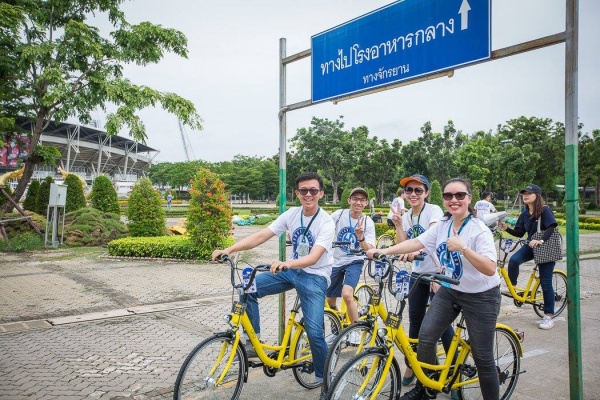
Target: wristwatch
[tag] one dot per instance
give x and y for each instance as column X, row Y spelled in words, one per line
column 462, row 251
column 361, row 240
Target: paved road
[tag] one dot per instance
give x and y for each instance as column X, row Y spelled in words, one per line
column 91, row 327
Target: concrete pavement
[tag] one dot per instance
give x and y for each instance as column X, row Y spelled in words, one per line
column 84, row 326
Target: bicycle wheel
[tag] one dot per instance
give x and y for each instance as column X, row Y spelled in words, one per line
column 559, row 284
column 362, row 294
column 508, row 363
column 359, row 377
column 384, row 241
column 305, row 375
column 346, row 345
column 203, row 367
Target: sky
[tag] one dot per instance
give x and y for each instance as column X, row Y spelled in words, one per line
column 232, row 75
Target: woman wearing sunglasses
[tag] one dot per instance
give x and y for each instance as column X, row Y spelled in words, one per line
column 414, row 222
column 464, row 245
column 527, row 223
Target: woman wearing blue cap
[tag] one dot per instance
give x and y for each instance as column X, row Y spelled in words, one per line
column 534, row 209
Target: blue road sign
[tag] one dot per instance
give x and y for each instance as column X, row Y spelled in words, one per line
column 401, row 41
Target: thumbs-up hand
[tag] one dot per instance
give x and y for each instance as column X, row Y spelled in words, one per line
column 396, row 215
column 454, row 243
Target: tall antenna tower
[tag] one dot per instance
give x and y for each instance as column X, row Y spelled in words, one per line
column 187, row 147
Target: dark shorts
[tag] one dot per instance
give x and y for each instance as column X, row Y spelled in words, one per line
column 348, row 275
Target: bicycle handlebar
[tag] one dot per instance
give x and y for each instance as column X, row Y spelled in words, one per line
column 427, row 277
column 223, row 258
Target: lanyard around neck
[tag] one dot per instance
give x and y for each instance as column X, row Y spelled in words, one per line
column 352, row 228
column 309, row 223
column 415, row 228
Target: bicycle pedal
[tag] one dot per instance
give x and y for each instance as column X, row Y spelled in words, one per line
column 467, row 370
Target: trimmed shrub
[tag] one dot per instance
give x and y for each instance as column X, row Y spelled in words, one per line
column 75, row 197
column 182, row 247
column 104, row 196
column 435, row 194
column 209, row 216
column 43, row 196
column 344, row 199
column 145, row 213
column 32, row 192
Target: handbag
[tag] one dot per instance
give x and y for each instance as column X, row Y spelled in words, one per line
column 550, row 250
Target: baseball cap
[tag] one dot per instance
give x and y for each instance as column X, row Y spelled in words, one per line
column 532, row 189
column 359, row 190
column 416, row 178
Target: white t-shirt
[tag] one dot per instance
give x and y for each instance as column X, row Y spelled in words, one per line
column 321, row 233
column 414, row 225
column 484, row 207
column 344, row 228
column 397, row 204
column 478, row 238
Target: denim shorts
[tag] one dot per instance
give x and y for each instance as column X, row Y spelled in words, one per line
column 345, row 275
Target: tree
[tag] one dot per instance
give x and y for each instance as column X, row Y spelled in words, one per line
column 75, row 196
column 60, row 66
column 327, row 148
column 145, row 213
column 32, row 192
column 104, row 196
column 435, row 194
column 209, row 215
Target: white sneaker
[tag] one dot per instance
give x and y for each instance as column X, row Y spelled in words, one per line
column 354, row 338
column 547, row 322
column 330, row 339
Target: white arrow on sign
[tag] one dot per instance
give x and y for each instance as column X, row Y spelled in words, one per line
column 464, row 15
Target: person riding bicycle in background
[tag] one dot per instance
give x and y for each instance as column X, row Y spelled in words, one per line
column 420, row 217
column 351, row 225
column 484, row 206
column 528, row 223
column 396, row 207
column 464, row 246
column 312, row 233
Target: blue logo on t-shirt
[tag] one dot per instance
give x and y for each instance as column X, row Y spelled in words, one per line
column 298, row 237
column 455, row 259
column 346, row 234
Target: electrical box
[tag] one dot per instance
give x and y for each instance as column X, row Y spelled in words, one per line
column 58, row 195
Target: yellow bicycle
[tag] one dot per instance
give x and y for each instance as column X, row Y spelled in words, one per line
column 531, row 293
column 374, row 373
column 218, row 366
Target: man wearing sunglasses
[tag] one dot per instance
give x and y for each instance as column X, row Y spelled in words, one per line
column 312, row 233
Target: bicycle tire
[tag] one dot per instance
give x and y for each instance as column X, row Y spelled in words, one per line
column 384, row 241
column 352, row 377
column 341, row 350
column 559, row 284
column 305, row 375
column 193, row 380
column 362, row 294
column 508, row 364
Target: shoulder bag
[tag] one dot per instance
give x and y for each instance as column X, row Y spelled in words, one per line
column 551, row 249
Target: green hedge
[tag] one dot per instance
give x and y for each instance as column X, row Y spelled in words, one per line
column 180, row 247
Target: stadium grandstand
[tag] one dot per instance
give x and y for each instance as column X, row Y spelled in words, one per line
column 88, row 152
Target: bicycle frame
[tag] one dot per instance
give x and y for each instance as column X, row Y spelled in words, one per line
column 521, row 294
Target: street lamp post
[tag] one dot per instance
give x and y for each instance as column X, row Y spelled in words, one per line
column 503, row 143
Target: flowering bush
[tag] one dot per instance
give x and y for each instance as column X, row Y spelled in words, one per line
column 209, row 215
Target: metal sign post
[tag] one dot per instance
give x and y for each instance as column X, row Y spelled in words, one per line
column 56, row 203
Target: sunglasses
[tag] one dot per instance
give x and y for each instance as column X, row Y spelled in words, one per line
column 304, row 191
column 459, row 196
column 418, row 191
